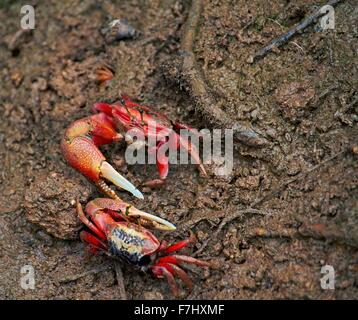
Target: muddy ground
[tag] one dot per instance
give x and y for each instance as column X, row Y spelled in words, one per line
column 302, row 99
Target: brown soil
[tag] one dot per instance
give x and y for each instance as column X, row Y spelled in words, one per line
column 301, row 98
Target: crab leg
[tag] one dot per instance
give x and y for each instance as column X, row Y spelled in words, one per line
column 179, row 245
column 92, row 240
column 162, row 165
column 88, row 223
column 179, row 259
column 194, row 153
column 80, row 148
column 175, row 270
column 161, row 272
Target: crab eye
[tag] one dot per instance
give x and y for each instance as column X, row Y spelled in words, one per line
column 122, row 101
column 144, row 261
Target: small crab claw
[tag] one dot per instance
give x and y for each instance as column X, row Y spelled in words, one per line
column 149, row 220
column 121, row 210
column 80, row 148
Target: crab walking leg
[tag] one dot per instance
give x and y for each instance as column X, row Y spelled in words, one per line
column 175, row 270
column 162, row 164
column 161, row 272
column 80, row 148
column 93, row 241
column 179, row 245
column 179, row 259
column 194, row 153
column 88, row 223
column 177, row 126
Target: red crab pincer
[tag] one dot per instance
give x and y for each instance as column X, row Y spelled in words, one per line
column 115, row 122
column 114, row 235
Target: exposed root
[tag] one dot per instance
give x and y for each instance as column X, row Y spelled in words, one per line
column 187, row 74
column 278, row 42
column 189, row 224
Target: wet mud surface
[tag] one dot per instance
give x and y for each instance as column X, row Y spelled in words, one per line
column 301, row 98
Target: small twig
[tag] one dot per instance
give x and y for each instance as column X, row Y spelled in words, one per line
column 292, row 32
column 120, row 281
column 224, row 222
column 83, row 274
column 298, row 177
column 240, row 213
column 346, row 108
column 298, row 46
column 194, row 221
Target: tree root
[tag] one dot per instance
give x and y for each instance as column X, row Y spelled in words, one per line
column 284, row 185
column 186, row 73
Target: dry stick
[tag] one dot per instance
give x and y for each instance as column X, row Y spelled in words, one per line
column 194, row 221
column 120, row 280
column 300, row 176
column 83, row 274
column 240, row 213
column 198, row 88
column 119, row 275
column 223, row 223
column 347, row 107
column 288, row 35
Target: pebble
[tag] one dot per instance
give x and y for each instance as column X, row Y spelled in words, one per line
column 119, row 29
column 217, row 247
column 271, row 132
column 254, row 114
column 294, row 169
column 153, row 295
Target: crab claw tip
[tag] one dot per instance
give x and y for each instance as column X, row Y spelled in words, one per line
column 108, row 172
column 138, row 194
column 157, row 222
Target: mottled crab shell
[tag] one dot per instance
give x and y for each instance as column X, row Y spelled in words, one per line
column 132, row 243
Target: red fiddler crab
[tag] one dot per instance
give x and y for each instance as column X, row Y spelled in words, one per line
column 114, row 235
column 119, row 229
